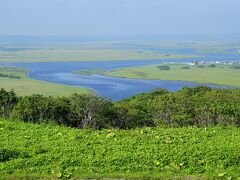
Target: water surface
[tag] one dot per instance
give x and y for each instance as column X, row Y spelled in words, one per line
column 109, row 87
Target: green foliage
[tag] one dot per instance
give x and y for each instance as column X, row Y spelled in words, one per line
column 235, row 66
column 199, row 106
column 7, row 102
column 185, row 67
column 200, row 66
column 81, row 111
column 6, row 155
column 89, row 111
column 9, row 154
column 9, row 76
column 50, row 151
column 135, row 111
column 147, row 153
column 212, row 66
column 164, row 68
column 35, row 108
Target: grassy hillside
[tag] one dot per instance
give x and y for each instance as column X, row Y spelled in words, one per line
column 26, row 86
column 221, row 74
column 51, row 151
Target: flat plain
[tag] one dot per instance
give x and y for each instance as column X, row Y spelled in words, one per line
column 220, row 74
column 26, row 86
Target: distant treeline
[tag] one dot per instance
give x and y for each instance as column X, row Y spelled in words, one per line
column 9, row 76
column 199, row 106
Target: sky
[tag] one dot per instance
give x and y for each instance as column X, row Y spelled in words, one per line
column 119, row 17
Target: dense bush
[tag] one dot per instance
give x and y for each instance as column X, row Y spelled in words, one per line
column 200, row 66
column 81, row 111
column 89, row 111
column 185, row 67
column 235, row 66
column 10, row 76
column 6, row 154
column 7, row 102
column 212, row 66
column 33, row 108
column 198, row 106
column 164, row 67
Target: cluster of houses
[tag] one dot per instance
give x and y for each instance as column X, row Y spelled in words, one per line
column 214, row 62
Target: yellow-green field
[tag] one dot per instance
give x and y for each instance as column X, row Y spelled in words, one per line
column 221, row 74
column 26, row 86
column 66, row 55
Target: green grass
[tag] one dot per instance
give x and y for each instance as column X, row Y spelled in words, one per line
column 221, row 74
column 68, row 55
column 51, row 151
column 26, row 86
column 107, row 50
column 89, row 72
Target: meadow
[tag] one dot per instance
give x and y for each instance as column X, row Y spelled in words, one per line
column 220, row 74
column 110, row 50
column 71, row 55
column 25, row 86
column 31, row 151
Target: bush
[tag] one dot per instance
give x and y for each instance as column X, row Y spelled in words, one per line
column 235, row 66
column 90, row 111
column 7, row 102
column 7, row 155
column 35, row 108
column 81, row 111
column 10, row 76
column 199, row 106
column 135, row 111
column 200, row 66
column 164, row 68
column 185, row 67
column 212, row 66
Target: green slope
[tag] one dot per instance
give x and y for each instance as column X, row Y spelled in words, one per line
column 50, row 151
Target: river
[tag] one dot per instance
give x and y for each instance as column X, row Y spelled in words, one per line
column 110, row 87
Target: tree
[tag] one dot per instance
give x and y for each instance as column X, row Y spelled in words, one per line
column 90, row 111
column 8, row 99
column 34, row 108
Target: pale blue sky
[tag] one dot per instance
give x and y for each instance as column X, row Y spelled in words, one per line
column 119, row 17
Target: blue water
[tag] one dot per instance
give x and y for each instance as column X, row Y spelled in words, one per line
column 109, row 87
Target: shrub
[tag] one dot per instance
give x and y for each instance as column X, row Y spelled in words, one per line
column 200, row 66
column 33, row 108
column 60, row 111
column 10, row 76
column 185, row 67
column 7, row 154
column 235, row 66
column 199, row 106
column 212, row 66
column 164, row 68
column 89, row 111
column 7, row 102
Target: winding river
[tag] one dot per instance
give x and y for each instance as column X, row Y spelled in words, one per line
column 110, row 87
